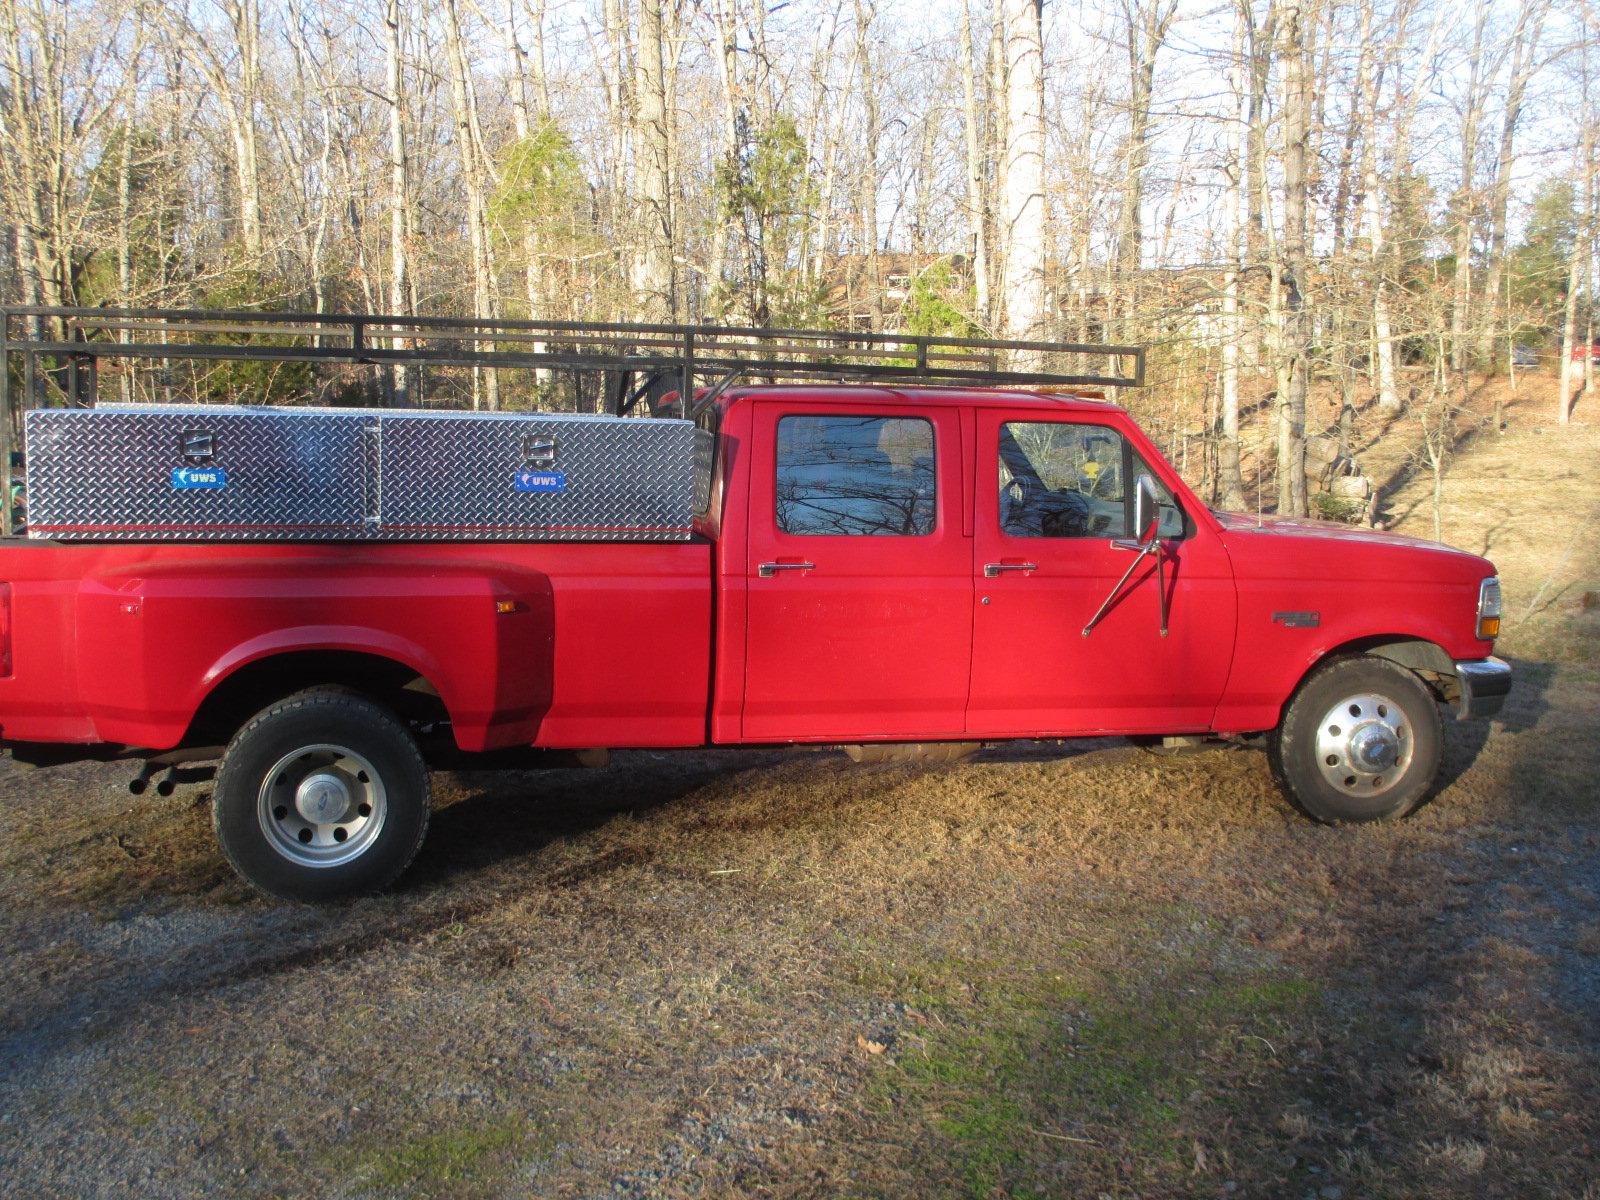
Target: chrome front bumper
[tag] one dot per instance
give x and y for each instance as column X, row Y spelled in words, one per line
column 1485, row 683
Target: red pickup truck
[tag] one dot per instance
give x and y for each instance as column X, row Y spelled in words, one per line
column 877, row 566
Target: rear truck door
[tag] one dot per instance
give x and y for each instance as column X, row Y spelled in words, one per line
column 1053, row 538
column 859, row 577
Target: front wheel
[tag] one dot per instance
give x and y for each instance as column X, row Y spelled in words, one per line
column 1360, row 741
column 321, row 796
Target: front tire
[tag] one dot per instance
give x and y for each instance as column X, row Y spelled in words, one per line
column 320, row 797
column 1360, row 741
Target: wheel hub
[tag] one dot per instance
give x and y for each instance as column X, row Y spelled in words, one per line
column 322, row 805
column 1375, row 747
column 1364, row 744
column 323, row 798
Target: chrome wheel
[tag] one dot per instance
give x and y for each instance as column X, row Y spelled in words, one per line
column 1364, row 744
column 321, row 806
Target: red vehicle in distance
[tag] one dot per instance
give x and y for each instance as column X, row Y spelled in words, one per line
column 902, row 569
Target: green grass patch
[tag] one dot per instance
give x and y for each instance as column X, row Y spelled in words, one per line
column 1020, row 1066
column 446, row 1160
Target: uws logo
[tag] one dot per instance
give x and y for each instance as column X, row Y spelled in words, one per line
column 539, row 481
column 186, row 478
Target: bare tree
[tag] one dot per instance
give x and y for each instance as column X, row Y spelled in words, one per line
column 1294, row 28
column 978, row 171
column 1147, row 23
column 399, row 181
column 476, row 179
column 1022, row 171
column 1228, row 470
column 233, row 73
column 1464, row 203
column 653, row 275
column 1573, row 327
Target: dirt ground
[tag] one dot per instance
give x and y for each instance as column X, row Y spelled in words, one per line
column 1052, row 971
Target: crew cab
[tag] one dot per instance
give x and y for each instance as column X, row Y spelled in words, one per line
column 878, row 566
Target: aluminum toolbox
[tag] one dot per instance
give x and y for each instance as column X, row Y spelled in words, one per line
column 201, row 473
column 186, row 472
column 542, row 476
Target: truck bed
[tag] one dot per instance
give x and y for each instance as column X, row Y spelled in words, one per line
column 545, row 644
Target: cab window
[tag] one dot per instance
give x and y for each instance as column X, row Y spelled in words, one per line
column 856, row 476
column 1069, row 480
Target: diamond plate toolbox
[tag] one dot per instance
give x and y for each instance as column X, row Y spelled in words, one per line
column 544, row 476
column 202, row 473
column 195, row 473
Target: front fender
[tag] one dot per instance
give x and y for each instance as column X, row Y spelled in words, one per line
column 1278, row 647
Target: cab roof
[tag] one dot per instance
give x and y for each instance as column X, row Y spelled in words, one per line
column 916, row 396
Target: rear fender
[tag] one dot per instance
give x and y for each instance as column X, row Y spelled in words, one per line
column 152, row 648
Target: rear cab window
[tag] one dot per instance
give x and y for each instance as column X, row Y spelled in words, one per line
column 856, row 476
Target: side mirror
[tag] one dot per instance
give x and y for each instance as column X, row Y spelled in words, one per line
column 1146, row 508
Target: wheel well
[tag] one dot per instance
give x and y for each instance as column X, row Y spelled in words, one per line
column 1429, row 661
column 254, row 686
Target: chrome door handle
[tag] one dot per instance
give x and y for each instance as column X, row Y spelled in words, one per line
column 768, row 570
column 991, row 570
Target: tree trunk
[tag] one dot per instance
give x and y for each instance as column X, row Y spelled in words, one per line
column 1465, row 203
column 522, row 122
column 246, row 18
column 728, row 77
column 1294, row 338
column 474, row 179
column 977, row 172
column 1574, row 328
column 655, row 298
column 1257, row 235
column 1022, row 185
column 1375, row 220
column 869, row 181
column 235, row 78
column 399, row 188
column 1230, row 477
column 1524, row 60
column 1147, row 22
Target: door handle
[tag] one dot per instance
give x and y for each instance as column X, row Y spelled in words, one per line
column 768, row 570
column 992, row 570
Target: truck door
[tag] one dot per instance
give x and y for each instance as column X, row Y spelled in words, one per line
column 859, row 619
column 1052, row 538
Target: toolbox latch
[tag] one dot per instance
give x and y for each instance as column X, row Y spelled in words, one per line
column 539, row 450
column 197, row 447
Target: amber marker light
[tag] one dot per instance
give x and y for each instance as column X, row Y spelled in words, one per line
column 1489, row 609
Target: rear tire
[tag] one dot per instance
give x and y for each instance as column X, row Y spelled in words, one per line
column 320, row 797
column 1360, row 741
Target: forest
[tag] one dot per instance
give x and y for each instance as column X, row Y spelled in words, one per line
column 1310, row 210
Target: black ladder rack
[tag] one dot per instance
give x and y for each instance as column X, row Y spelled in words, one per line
column 60, row 348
